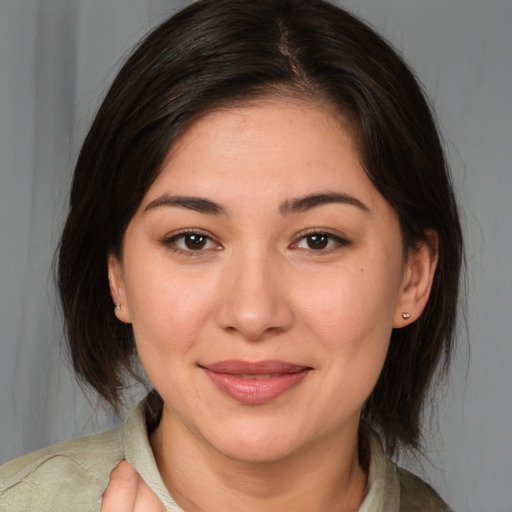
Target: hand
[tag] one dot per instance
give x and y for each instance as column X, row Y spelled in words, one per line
column 127, row 492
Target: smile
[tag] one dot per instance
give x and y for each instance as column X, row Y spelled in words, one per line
column 255, row 383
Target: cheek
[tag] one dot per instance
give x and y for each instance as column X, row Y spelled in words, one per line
column 168, row 310
column 351, row 316
column 351, row 306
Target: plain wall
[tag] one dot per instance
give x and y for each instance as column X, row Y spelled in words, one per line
column 56, row 58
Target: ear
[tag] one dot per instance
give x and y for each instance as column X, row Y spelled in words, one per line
column 417, row 280
column 117, row 288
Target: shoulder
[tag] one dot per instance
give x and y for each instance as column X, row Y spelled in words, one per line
column 392, row 488
column 46, row 479
column 417, row 496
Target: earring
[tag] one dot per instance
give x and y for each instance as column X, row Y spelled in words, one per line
column 117, row 307
column 406, row 315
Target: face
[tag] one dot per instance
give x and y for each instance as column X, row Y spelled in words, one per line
column 263, row 274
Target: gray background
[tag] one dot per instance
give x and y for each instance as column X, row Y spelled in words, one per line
column 56, row 57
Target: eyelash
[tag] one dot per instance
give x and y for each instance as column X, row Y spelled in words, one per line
column 171, row 242
column 333, row 242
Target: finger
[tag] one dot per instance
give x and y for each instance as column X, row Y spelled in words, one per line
column 122, row 489
column 147, row 500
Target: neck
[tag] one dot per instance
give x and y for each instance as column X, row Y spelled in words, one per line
column 325, row 476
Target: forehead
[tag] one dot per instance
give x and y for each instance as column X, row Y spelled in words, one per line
column 268, row 146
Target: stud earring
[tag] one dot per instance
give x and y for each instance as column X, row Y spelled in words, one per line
column 117, row 307
column 406, row 316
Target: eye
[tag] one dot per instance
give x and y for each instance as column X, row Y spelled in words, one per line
column 191, row 241
column 320, row 241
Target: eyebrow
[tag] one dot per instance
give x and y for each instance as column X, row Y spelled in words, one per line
column 198, row 204
column 308, row 202
column 298, row 205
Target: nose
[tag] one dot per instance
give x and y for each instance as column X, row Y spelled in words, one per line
column 254, row 299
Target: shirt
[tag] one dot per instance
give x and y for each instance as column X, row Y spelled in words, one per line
column 72, row 476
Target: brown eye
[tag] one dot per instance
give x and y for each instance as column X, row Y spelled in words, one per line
column 195, row 242
column 320, row 241
column 191, row 242
column 317, row 241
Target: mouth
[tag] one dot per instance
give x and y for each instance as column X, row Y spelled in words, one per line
column 255, row 383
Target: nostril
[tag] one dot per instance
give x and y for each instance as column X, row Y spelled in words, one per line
column 256, row 325
column 252, row 302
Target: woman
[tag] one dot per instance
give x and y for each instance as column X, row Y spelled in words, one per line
column 262, row 214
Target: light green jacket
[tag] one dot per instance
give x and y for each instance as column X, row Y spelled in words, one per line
column 72, row 476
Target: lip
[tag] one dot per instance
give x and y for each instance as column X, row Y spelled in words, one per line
column 255, row 383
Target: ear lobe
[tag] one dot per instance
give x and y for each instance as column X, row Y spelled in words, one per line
column 117, row 288
column 417, row 281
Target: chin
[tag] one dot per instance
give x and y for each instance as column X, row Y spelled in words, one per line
column 260, row 452
column 263, row 442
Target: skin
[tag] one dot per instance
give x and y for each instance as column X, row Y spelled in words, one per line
column 127, row 492
column 260, row 288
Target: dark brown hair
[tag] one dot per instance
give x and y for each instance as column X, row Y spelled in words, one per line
column 216, row 53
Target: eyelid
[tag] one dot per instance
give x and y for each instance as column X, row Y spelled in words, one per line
column 169, row 241
column 339, row 239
